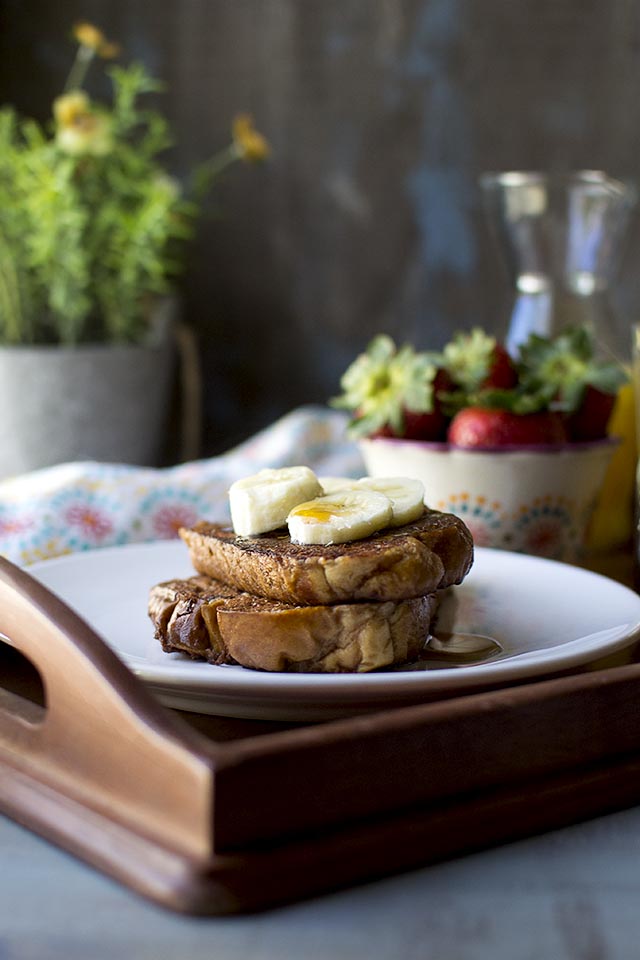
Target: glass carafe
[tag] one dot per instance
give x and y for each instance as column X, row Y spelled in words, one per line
column 561, row 238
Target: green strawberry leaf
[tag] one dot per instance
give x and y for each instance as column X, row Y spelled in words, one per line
column 553, row 374
column 382, row 383
column 608, row 377
column 561, row 368
column 515, row 400
column 467, row 358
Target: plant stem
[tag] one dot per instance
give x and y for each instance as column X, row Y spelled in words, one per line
column 79, row 68
column 212, row 169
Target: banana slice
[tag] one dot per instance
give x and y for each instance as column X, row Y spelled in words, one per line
column 406, row 495
column 339, row 517
column 334, row 484
column 262, row 502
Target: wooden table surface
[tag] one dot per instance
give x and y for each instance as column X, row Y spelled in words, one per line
column 572, row 894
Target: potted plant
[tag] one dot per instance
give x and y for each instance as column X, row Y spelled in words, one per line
column 93, row 233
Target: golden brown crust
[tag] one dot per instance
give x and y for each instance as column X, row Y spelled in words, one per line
column 209, row 620
column 416, row 559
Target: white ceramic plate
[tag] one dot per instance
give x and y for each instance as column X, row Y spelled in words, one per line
column 548, row 617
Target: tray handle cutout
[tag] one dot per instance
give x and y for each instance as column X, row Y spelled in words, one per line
column 100, row 739
column 22, row 691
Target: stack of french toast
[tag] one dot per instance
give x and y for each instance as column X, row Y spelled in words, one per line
column 324, row 575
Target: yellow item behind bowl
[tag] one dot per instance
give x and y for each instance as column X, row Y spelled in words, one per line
column 611, row 524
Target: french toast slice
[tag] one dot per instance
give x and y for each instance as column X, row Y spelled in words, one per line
column 212, row 621
column 399, row 563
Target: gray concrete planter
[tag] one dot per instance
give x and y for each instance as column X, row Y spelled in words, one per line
column 102, row 402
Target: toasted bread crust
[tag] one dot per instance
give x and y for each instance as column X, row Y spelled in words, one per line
column 400, row 563
column 209, row 620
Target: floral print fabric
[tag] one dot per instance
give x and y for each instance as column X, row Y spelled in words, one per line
column 81, row 506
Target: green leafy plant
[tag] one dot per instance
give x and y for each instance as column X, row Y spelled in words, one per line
column 92, row 228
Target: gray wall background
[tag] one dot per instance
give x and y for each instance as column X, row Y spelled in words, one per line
column 381, row 115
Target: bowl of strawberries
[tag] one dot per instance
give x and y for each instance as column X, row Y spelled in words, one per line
column 516, row 446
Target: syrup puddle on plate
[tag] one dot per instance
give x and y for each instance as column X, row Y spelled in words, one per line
column 453, row 641
column 444, row 650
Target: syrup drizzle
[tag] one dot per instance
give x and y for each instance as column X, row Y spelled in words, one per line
column 444, row 650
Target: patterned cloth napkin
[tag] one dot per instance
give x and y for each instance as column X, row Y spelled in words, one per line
column 80, row 506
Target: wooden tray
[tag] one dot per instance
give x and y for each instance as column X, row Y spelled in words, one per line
column 208, row 815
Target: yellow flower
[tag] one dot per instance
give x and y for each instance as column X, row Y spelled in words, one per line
column 81, row 130
column 88, row 36
column 250, row 144
column 94, row 39
column 69, row 108
column 109, row 50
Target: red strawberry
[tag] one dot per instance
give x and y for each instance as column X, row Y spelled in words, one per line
column 425, row 426
column 486, row 427
column 590, row 420
column 394, row 393
column 566, row 373
column 502, row 373
column 476, row 361
column 432, row 425
column 418, row 426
